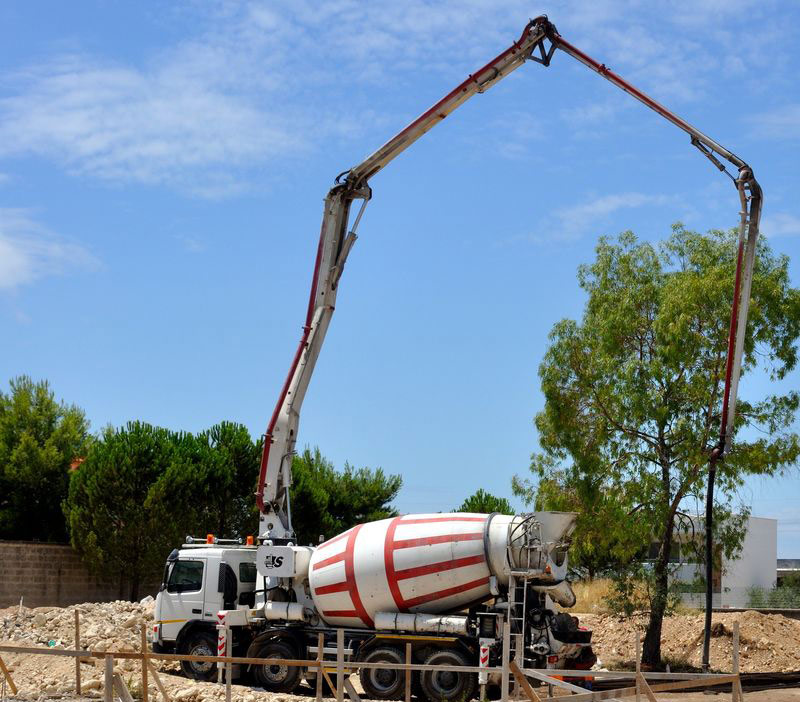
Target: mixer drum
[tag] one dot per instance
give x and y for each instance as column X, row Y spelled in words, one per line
column 433, row 563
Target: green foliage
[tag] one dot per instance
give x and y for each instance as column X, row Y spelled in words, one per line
column 635, row 590
column 633, row 390
column 482, row 502
column 142, row 489
column 209, row 481
column 116, row 520
column 39, row 439
column 605, row 538
column 786, row 596
column 327, row 502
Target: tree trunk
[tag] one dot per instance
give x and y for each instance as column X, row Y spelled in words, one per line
column 651, row 652
column 135, row 587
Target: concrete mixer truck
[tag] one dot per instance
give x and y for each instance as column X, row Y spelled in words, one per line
column 448, row 585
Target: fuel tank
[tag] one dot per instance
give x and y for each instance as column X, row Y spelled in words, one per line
column 431, row 563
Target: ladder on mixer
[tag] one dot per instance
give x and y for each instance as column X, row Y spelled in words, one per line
column 514, row 640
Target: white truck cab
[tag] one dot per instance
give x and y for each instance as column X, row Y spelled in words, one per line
column 200, row 579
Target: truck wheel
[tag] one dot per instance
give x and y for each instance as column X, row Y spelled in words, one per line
column 438, row 685
column 383, row 683
column 277, row 678
column 199, row 643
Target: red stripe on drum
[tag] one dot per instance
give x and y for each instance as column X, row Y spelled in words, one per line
column 441, row 594
column 350, row 577
column 341, row 536
column 431, row 540
column 388, row 564
column 343, row 586
column 430, row 520
column 330, row 560
column 438, row 567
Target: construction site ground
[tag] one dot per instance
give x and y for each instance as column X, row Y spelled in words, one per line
column 769, row 643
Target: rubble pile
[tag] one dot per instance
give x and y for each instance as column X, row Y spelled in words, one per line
column 767, row 642
column 104, row 626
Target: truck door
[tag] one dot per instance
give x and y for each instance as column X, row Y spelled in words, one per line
column 183, row 598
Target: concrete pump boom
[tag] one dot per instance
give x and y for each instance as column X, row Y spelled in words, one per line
column 538, row 42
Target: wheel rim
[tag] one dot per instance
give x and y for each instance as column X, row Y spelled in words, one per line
column 382, row 679
column 445, row 682
column 275, row 674
column 201, row 649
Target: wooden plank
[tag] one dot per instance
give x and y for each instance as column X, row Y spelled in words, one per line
column 638, row 667
column 550, row 680
column 45, row 651
column 584, row 696
column 646, row 689
column 328, row 680
column 157, row 678
column 351, row 691
column 408, row 674
column 144, row 664
column 320, row 655
column 122, row 689
column 735, row 689
column 228, row 666
column 8, row 677
column 340, row 665
column 108, row 686
column 78, row 660
column 523, row 683
column 505, row 656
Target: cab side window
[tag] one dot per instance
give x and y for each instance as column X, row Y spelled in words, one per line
column 247, row 572
column 186, row 576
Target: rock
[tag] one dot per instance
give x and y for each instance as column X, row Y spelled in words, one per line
column 91, row 685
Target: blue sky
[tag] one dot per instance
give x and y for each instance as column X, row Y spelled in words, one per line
column 162, row 170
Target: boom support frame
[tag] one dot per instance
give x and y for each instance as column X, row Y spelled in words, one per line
column 538, row 42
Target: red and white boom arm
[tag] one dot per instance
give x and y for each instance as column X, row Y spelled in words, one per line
column 538, row 42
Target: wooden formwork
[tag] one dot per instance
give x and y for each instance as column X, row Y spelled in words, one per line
column 645, row 684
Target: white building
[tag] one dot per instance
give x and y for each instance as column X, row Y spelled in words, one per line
column 754, row 568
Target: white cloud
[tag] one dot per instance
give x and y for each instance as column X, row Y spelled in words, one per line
column 260, row 82
column 573, row 222
column 781, row 123
column 781, row 224
column 29, row 251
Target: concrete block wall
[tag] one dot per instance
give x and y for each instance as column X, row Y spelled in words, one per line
column 48, row 575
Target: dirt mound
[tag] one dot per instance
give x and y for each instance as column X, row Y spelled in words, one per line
column 767, row 642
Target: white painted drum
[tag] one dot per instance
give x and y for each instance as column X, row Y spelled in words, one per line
column 433, row 563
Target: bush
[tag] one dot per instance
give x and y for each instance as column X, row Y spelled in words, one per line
column 785, row 597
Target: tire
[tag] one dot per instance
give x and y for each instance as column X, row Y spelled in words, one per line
column 383, row 683
column 199, row 643
column 444, row 686
column 277, row 678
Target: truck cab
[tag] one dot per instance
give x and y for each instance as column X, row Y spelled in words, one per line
column 201, row 578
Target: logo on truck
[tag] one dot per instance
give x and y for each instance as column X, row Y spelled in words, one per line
column 271, row 561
